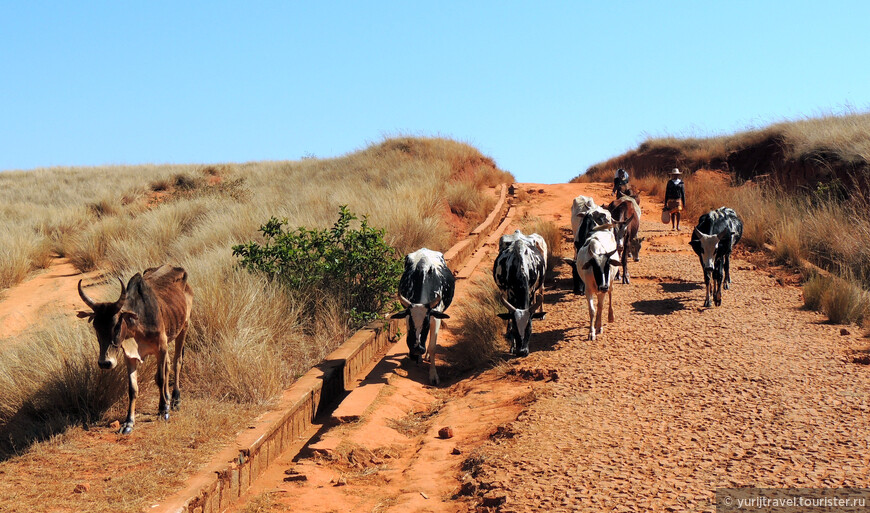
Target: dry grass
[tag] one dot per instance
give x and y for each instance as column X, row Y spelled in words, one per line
column 146, row 466
column 823, row 141
column 843, row 301
column 249, row 339
column 481, row 341
column 51, row 381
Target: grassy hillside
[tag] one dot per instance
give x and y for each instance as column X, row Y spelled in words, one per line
column 798, row 154
column 250, row 337
column 802, row 187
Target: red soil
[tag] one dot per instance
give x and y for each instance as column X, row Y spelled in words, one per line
column 672, row 402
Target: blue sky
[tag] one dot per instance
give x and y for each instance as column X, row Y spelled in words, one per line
column 545, row 88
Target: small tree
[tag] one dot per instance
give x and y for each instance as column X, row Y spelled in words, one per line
column 355, row 265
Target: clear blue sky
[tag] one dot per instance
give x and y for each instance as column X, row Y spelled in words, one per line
column 545, row 88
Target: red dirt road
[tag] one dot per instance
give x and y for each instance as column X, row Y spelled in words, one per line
column 673, row 401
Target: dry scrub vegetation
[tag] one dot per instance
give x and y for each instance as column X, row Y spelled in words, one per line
column 250, row 338
column 809, row 203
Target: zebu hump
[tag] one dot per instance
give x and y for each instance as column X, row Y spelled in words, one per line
column 426, row 276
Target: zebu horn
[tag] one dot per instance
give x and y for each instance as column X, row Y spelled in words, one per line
column 404, row 301
column 509, row 306
column 539, row 301
column 120, row 301
column 88, row 301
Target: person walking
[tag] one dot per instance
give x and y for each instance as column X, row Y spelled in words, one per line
column 675, row 198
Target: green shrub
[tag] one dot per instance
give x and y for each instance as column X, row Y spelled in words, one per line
column 354, row 265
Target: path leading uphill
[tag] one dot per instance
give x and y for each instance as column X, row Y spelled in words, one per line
column 673, row 401
column 676, row 400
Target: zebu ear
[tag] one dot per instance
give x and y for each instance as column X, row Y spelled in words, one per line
column 539, row 315
column 615, row 262
column 438, row 315
column 82, row 315
column 400, row 315
column 129, row 317
column 506, row 316
column 587, row 265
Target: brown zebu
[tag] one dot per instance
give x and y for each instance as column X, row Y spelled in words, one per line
column 153, row 309
column 626, row 215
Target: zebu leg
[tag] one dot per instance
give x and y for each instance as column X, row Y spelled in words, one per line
column 589, row 299
column 132, row 393
column 177, row 363
column 433, row 343
column 598, row 315
column 727, row 271
column 162, row 380
column 610, row 317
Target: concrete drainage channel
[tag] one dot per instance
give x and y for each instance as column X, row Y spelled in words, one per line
column 286, row 428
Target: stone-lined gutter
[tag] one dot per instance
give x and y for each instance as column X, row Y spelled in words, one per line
column 232, row 471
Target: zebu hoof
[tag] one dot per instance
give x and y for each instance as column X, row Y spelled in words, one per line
column 176, row 401
column 726, row 285
column 522, row 353
column 434, row 381
column 164, row 415
column 707, row 304
column 126, row 429
column 417, row 358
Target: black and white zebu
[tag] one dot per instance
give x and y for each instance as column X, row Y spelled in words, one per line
column 425, row 290
column 518, row 272
column 715, row 235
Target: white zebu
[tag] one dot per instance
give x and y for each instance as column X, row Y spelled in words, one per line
column 596, row 263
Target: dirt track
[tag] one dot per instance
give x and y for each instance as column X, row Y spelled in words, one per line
column 670, row 403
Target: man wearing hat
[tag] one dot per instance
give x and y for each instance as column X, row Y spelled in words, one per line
column 675, row 195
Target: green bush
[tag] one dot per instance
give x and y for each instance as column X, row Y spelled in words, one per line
column 354, row 265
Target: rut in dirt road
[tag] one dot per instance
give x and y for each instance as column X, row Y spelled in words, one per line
column 674, row 400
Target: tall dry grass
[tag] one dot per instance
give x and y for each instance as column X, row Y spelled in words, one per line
column 248, row 339
column 482, row 339
column 51, row 381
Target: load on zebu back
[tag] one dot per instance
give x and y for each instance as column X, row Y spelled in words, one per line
column 153, row 310
column 585, row 218
column 715, row 235
column 425, row 291
column 518, row 272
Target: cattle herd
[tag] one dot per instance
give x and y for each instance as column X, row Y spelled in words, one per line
column 604, row 239
column 154, row 307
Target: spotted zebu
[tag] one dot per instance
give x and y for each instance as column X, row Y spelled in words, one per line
column 153, row 309
column 715, row 235
column 518, row 271
column 425, row 290
column 586, row 222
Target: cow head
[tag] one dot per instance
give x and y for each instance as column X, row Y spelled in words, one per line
column 599, row 266
column 634, row 247
column 709, row 247
column 110, row 322
column 520, row 324
column 419, row 315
